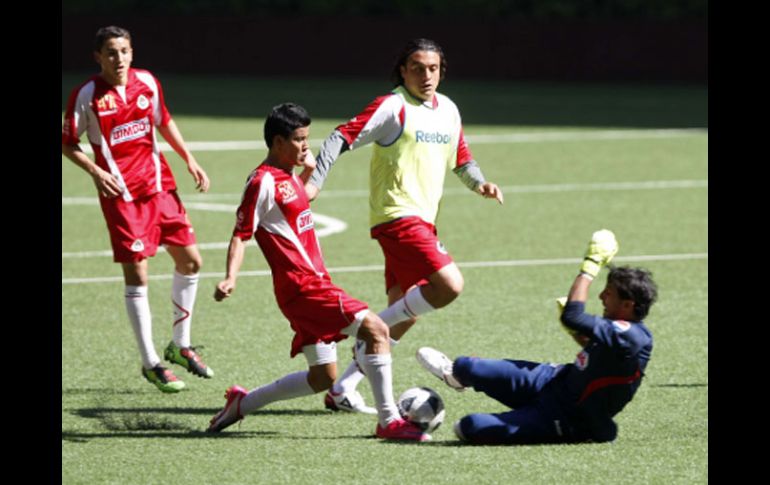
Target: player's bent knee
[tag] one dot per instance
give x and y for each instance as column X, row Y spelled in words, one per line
column 374, row 329
column 321, row 378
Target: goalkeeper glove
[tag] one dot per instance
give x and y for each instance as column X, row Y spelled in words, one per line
column 601, row 249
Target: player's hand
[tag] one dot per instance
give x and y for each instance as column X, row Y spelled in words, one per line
column 488, row 190
column 107, row 184
column 199, row 175
column 224, row 289
column 601, row 249
column 308, row 163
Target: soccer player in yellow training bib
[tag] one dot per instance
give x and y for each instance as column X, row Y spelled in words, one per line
column 417, row 135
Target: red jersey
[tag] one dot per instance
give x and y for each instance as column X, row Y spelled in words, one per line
column 119, row 122
column 275, row 210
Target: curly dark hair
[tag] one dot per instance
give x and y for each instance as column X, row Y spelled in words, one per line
column 410, row 48
column 634, row 284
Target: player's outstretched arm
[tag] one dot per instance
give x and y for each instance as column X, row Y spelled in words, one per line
column 235, row 254
column 105, row 182
column 174, row 138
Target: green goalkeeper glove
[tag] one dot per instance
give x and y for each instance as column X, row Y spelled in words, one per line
column 601, row 250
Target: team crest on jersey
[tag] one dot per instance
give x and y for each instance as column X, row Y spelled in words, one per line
column 581, row 361
column 440, row 247
column 137, row 246
column 142, row 102
column 106, row 105
column 621, row 325
column 286, row 189
column 304, row 221
column 130, row 131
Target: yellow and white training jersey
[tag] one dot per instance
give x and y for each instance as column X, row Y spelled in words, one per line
column 415, row 142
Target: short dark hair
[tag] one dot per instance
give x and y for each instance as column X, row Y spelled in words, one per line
column 283, row 120
column 634, row 284
column 106, row 33
column 410, row 48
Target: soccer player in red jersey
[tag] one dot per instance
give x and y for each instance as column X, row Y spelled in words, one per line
column 416, row 135
column 275, row 210
column 119, row 109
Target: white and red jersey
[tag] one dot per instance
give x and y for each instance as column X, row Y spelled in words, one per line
column 275, row 210
column 120, row 124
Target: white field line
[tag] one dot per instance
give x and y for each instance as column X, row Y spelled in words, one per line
column 376, row 267
column 196, row 201
column 537, row 137
column 330, row 225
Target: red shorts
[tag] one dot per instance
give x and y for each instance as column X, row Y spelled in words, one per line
column 412, row 251
column 138, row 227
column 318, row 314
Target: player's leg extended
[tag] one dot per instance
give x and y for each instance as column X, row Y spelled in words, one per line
column 322, row 369
column 184, row 288
column 514, row 383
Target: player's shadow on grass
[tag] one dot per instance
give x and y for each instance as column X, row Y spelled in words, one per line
column 83, row 437
column 105, row 391
column 102, row 412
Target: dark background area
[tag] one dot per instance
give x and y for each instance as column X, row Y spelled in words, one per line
column 535, row 40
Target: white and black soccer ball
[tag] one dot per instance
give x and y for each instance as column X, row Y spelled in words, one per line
column 423, row 407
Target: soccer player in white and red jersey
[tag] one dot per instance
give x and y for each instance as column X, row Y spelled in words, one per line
column 275, row 210
column 119, row 109
column 417, row 135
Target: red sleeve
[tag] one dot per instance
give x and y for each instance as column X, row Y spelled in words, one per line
column 464, row 154
column 245, row 225
column 353, row 127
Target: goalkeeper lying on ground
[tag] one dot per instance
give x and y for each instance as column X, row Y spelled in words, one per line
column 567, row 403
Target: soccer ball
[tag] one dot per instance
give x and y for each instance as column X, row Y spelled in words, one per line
column 423, row 407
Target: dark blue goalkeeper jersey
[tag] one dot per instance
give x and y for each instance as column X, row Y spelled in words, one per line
column 606, row 373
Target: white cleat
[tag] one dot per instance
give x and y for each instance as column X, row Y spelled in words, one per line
column 439, row 365
column 351, row 402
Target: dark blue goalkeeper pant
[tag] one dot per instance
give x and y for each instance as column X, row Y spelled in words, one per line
column 517, row 384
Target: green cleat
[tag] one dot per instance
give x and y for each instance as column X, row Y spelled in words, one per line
column 164, row 379
column 187, row 358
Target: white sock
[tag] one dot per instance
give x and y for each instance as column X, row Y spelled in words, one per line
column 378, row 370
column 409, row 306
column 349, row 380
column 183, row 291
column 287, row 387
column 138, row 308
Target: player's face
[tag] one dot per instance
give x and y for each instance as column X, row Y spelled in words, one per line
column 422, row 73
column 292, row 150
column 615, row 307
column 115, row 58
